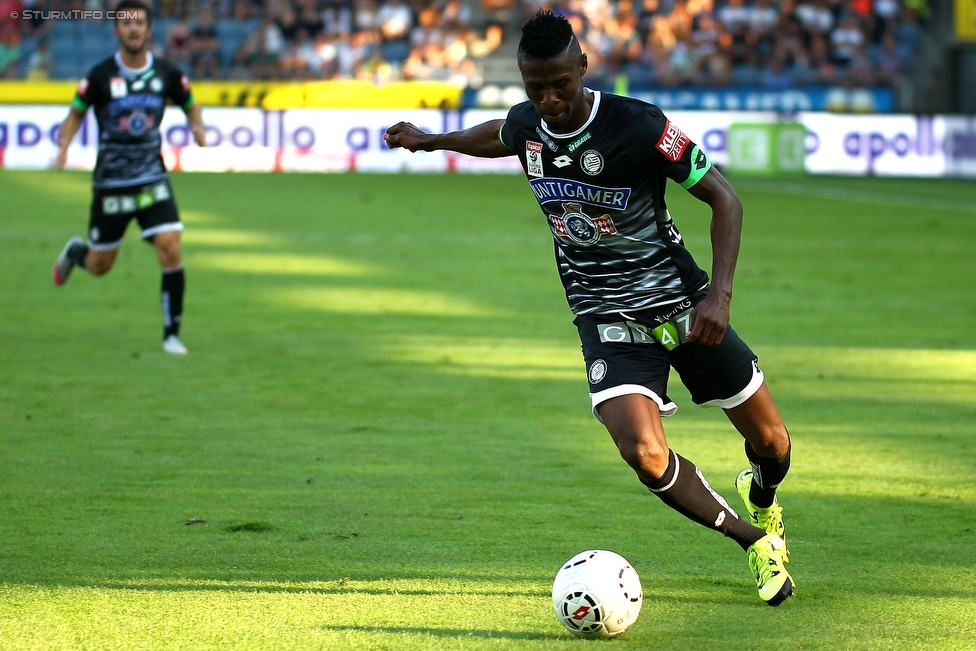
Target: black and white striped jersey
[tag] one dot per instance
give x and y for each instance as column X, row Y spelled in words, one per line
column 129, row 106
column 602, row 190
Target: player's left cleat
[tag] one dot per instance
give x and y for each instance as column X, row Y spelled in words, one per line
column 774, row 583
column 769, row 519
column 174, row 346
column 63, row 265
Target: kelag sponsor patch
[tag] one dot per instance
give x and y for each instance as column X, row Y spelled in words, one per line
column 673, row 142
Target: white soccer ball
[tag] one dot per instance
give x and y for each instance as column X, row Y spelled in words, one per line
column 597, row 594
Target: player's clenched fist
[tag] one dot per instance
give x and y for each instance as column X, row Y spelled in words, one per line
column 406, row 135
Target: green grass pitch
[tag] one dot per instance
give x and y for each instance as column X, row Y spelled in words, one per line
column 383, row 435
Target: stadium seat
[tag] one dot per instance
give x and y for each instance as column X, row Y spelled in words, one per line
column 65, row 68
column 395, row 50
column 160, row 28
column 27, row 48
column 745, row 76
column 231, row 34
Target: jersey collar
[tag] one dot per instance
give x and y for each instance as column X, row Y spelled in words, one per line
column 133, row 72
column 593, row 109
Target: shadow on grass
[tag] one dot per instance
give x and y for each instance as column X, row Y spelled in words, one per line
column 325, row 587
column 450, row 632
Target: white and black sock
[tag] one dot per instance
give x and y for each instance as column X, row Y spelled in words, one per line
column 174, row 284
column 684, row 489
column 77, row 254
column 767, row 474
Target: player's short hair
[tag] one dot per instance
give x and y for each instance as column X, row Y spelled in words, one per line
column 133, row 4
column 548, row 36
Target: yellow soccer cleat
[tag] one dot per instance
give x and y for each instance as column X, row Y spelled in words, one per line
column 774, row 583
column 770, row 519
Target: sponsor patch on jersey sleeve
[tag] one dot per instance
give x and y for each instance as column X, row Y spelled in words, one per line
column 186, row 83
column 673, row 142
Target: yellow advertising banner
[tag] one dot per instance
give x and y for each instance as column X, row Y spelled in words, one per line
column 207, row 93
column 966, row 20
column 37, row 92
column 271, row 95
column 363, row 94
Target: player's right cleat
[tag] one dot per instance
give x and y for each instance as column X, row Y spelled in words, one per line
column 770, row 519
column 63, row 265
column 174, row 346
column 766, row 562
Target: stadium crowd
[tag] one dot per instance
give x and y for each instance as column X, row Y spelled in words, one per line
column 668, row 43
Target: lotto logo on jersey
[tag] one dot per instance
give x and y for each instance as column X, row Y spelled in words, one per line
column 673, row 142
column 533, row 158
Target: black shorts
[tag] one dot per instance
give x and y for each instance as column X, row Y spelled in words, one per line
column 112, row 209
column 623, row 358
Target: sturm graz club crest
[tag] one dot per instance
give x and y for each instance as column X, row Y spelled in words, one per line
column 591, row 162
column 580, row 227
column 598, row 371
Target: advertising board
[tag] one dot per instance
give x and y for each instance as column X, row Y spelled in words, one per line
column 323, row 140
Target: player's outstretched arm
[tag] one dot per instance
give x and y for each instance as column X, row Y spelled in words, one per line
column 710, row 318
column 67, row 133
column 480, row 140
column 194, row 117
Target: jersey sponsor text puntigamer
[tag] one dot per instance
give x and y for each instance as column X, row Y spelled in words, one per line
column 602, row 189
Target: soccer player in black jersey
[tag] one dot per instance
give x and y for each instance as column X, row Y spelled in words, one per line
column 598, row 165
column 129, row 91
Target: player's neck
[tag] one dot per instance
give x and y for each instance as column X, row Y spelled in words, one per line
column 135, row 61
column 583, row 114
column 580, row 116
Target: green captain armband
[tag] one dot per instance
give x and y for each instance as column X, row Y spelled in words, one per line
column 78, row 103
column 502, row 140
column 699, row 165
column 190, row 102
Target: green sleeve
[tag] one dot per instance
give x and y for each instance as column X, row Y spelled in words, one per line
column 699, row 166
column 501, row 139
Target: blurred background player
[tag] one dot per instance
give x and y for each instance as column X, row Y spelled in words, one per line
column 129, row 91
column 598, row 165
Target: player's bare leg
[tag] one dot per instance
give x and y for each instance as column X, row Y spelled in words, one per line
column 634, row 423
column 167, row 246
column 759, row 422
column 768, row 450
column 77, row 253
column 99, row 263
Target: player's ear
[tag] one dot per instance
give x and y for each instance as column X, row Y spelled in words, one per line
column 583, row 64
